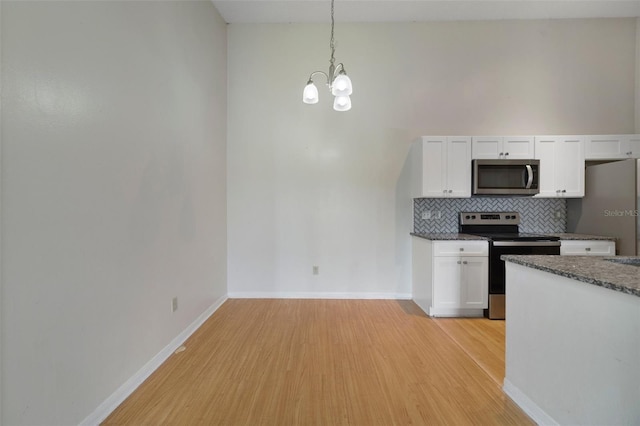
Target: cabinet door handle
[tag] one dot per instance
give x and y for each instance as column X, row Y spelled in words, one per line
column 461, row 248
column 450, row 191
column 458, row 262
column 564, row 190
column 501, row 154
column 587, row 249
column 464, row 262
column 506, row 153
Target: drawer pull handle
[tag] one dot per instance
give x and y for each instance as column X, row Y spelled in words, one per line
column 587, row 248
column 458, row 262
column 464, row 262
column 461, row 248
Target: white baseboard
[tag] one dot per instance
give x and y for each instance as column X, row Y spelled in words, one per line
column 425, row 306
column 528, row 406
column 316, row 295
column 113, row 401
column 455, row 313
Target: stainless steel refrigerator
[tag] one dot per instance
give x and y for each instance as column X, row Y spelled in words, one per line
column 610, row 206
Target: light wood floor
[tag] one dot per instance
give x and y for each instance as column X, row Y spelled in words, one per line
column 328, row 362
column 482, row 339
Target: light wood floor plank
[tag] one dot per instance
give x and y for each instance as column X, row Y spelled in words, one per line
column 321, row 362
column 482, row 339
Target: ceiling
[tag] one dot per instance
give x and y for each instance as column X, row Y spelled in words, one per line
column 305, row 11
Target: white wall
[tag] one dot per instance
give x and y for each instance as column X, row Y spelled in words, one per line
column 310, row 186
column 113, row 193
column 637, row 78
column 1, row 180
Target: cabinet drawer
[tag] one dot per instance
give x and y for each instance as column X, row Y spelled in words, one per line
column 588, row 248
column 461, row 248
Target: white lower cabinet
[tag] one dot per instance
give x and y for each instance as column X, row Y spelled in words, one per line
column 456, row 284
column 587, row 248
column 450, row 278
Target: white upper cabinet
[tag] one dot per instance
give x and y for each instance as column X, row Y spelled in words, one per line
column 633, row 144
column 561, row 166
column 503, row 147
column 612, row 147
column 441, row 167
column 458, row 167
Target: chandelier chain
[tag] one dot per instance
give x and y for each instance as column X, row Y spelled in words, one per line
column 332, row 41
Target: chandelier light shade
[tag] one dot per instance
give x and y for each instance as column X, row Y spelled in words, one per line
column 341, row 85
column 338, row 81
column 310, row 94
column 342, row 103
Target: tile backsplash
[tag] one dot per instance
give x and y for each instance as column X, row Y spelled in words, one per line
column 544, row 215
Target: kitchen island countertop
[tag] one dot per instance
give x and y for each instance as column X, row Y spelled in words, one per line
column 570, row 341
column 593, row 270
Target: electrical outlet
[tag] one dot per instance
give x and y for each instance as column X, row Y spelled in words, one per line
column 426, row 215
column 438, row 214
column 174, row 304
column 316, row 270
column 557, row 214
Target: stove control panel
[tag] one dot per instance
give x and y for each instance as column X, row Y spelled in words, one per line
column 489, row 218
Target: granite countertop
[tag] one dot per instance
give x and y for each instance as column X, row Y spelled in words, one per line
column 594, row 270
column 578, row 237
column 453, row 236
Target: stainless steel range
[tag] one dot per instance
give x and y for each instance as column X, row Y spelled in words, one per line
column 502, row 230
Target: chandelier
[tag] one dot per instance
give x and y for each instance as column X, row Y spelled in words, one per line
column 338, row 81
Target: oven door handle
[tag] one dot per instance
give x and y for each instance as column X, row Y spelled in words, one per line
column 529, row 175
column 526, row 243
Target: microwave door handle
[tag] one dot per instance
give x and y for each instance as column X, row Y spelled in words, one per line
column 530, row 175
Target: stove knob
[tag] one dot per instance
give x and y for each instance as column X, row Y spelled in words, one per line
column 467, row 217
column 473, row 217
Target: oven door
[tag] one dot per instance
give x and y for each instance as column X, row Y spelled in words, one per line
column 506, row 177
column 496, row 268
column 498, row 248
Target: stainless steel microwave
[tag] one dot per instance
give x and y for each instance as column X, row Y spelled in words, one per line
column 506, row 177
